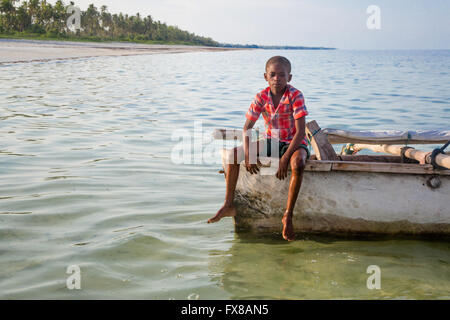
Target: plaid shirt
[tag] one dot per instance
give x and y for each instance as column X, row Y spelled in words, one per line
column 291, row 107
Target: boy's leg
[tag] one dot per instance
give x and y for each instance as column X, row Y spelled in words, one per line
column 233, row 160
column 297, row 161
column 228, row 209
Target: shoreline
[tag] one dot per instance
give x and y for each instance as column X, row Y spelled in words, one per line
column 27, row 50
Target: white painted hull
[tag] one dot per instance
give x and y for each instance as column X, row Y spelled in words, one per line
column 343, row 201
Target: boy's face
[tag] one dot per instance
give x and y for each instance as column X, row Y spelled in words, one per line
column 277, row 76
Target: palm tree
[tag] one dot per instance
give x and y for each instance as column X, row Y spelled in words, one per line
column 8, row 16
column 106, row 20
column 90, row 20
column 23, row 18
column 33, row 10
column 59, row 16
column 45, row 15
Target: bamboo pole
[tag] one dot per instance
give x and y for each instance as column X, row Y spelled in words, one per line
column 423, row 157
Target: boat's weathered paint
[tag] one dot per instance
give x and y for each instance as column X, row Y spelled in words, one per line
column 347, row 202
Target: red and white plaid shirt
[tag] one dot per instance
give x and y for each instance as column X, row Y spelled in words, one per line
column 280, row 122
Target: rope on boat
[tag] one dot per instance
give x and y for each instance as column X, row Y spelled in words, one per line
column 408, row 139
column 405, row 159
column 314, row 133
column 308, row 139
column 435, row 153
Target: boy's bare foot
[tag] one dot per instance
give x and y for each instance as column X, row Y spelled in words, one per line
column 225, row 211
column 288, row 227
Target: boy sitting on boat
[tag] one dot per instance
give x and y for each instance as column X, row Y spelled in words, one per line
column 283, row 108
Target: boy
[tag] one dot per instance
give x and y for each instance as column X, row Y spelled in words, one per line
column 283, row 108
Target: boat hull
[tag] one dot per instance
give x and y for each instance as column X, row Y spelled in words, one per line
column 347, row 202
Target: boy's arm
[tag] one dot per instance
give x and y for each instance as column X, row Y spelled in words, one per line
column 300, row 133
column 252, row 168
column 252, row 116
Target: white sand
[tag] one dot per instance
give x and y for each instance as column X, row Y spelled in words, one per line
column 13, row 51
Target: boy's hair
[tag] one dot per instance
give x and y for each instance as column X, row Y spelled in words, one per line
column 279, row 59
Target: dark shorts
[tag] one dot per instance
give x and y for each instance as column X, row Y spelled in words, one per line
column 283, row 146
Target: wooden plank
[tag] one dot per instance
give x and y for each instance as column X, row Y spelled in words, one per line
column 387, row 167
column 338, row 140
column 370, row 158
column 317, row 165
column 382, row 167
column 319, row 141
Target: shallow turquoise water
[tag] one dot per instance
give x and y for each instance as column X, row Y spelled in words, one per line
column 88, row 178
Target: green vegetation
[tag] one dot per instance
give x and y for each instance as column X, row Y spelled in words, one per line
column 38, row 19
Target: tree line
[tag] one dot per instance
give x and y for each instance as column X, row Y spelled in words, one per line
column 38, row 17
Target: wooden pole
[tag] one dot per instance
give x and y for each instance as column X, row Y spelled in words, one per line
column 423, row 157
column 319, row 141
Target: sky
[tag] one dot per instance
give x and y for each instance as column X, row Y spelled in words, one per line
column 403, row 24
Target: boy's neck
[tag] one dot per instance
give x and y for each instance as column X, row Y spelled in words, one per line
column 278, row 95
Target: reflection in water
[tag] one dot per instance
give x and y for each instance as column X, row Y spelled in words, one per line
column 326, row 268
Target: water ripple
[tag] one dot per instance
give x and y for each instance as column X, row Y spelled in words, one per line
column 87, row 177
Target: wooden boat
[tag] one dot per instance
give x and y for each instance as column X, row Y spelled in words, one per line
column 353, row 194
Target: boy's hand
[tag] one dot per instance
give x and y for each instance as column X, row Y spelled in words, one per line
column 282, row 168
column 252, row 168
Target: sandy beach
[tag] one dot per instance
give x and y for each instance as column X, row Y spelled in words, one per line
column 16, row 51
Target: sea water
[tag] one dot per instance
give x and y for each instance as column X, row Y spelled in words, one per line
column 90, row 179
